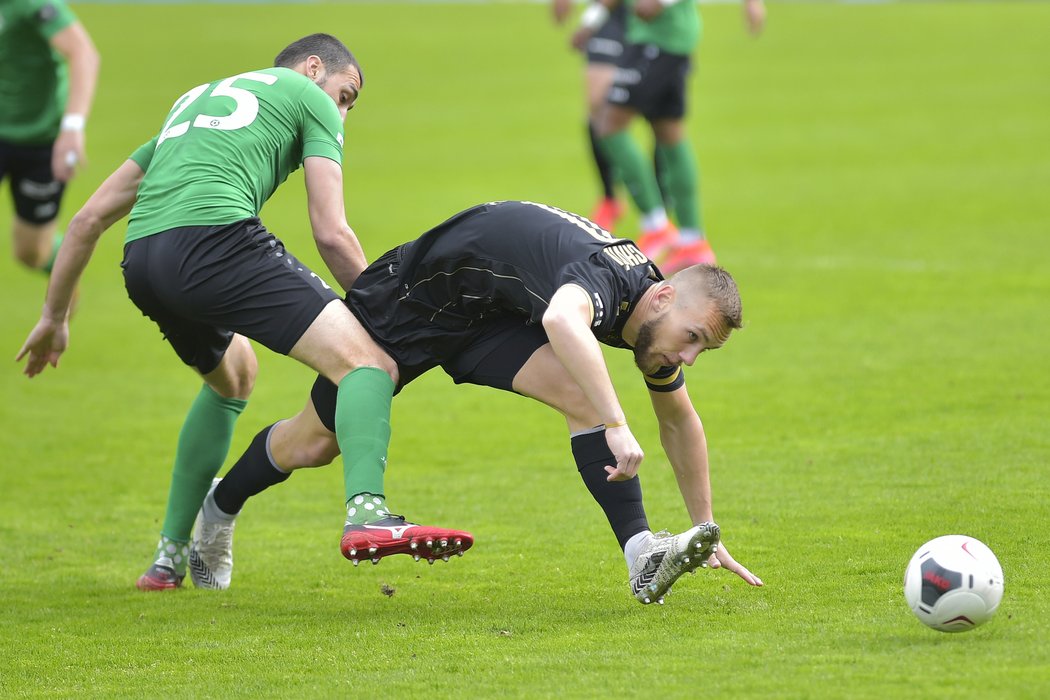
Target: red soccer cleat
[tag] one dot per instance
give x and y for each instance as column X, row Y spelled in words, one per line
column 656, row 245
column 159, row 578
column 688, row 254
column 607, row 212
column 392, row 535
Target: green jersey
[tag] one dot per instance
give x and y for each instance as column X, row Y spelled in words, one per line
column 675, row 30
column 33, row 80
column 227, row 145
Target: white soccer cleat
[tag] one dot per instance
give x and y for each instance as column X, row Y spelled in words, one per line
column 211, row 551
column 669, row 556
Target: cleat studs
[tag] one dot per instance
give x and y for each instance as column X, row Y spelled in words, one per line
column 459, row 553
column 444, row 543
column 356, row 562
column 430, row 544
column 353, row 552
column 375, row 561
column 430, row 561
column 459, row 541
column 414, row 545
column 415, row 557
column 372, row 550
column 660, row 601
column 646, row 601
column 444, row 557
column 685, row 560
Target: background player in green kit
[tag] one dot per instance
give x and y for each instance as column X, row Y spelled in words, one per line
column 200, row 264
column 48, row 70
column 652, row 81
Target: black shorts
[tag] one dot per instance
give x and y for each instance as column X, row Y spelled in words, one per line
column 488, row 353
column 202, row 284
column 606, row 46
column 35, row 191
column 651, row 82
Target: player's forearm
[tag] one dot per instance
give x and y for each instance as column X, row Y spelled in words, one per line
column 73, row 257
column 684, row 442
column 343, row 255
column 686, row 448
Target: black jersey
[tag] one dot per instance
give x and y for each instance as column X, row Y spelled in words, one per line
column 508, row 258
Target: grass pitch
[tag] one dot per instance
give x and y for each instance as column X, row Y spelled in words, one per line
column 876, row 179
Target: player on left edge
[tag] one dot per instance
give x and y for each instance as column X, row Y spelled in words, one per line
column 48, row 70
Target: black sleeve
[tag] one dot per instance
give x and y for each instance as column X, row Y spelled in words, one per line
column 665, row 379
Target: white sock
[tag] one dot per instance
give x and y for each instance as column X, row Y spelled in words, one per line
column 634, row 546
column 212, row 512
column 654, row 220
column 688, row 235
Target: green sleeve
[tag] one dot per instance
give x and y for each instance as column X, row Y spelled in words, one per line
column 322, row 126
column 51, row 16
column 144, row 154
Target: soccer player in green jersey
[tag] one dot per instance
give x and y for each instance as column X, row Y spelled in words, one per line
column 200, row 264
column 48, row 71
column 651, row 82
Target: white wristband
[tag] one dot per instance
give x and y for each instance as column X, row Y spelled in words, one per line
column 594, row 16
column 73, row 122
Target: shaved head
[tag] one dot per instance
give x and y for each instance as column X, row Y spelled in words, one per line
column 710, row 283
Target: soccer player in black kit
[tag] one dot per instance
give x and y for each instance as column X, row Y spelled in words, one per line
column 518, row 296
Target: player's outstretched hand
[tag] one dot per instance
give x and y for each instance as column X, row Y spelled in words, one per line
column 67, row 153
column 722, row 559
column 626, row 450
column 46, row 342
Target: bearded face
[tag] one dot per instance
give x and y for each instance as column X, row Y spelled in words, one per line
column 644, row 357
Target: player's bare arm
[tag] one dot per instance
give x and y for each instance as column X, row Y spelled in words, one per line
column 683, row 439
column 567, row 323
column 74, row 44
column 335, row 240
column 110, row 203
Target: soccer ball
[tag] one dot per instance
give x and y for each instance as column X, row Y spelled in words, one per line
column 953, row 583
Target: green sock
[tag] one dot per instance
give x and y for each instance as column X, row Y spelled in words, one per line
column 636, row 171
column 362, row 428
column 56, row 243
column 682, row 178
column 175, row 551
column 203, row 444
column 365, row 508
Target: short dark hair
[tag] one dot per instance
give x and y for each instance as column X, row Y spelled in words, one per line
column 332, row 52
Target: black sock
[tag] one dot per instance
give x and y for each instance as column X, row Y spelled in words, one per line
column 253, row 473
column 621, row 500
column 605, row 168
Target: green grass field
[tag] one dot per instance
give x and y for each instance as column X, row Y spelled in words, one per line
column 875, row 177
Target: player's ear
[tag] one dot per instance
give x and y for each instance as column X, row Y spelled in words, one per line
column 664, row 299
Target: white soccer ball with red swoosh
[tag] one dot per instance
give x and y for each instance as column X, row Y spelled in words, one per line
column 953, row 583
